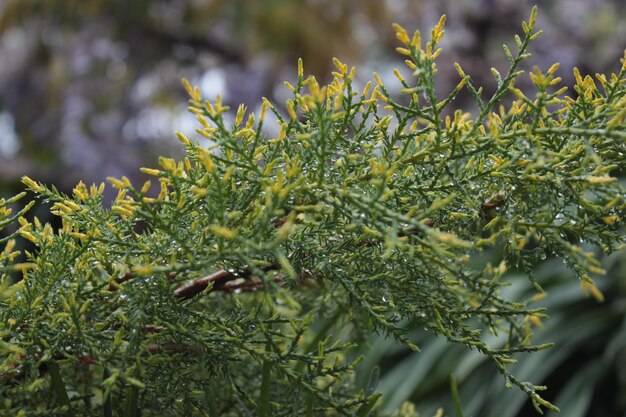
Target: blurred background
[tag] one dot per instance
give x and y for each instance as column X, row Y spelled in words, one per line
column 91, row 88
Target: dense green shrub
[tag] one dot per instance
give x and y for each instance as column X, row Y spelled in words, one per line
column 241, row 286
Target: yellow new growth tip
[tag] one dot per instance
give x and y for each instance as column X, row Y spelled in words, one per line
column 377, row 79
column 241, row 111
column 401, row 34
column 223, row 232
column 183, row 139
column 81, row 192
column 194, row 92
column 458, row 69
column 588, row 287
column 150, row 171
column 438, row 31
column 119, row 184
column 291, row 109
column 416, row 41
column 300, row 69
column 32, row 185
column 168, row 164
column 398, row 75
column 600, row 180
column 343, row 68
column 403, row 51
column 535, row 320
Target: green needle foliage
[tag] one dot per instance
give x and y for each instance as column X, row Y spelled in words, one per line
column 241, row 285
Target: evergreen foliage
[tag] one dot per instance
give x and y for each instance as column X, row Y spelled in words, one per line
column 240, row 286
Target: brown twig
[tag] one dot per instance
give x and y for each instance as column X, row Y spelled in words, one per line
column 494, row 202
column 222, row 280
column 171, row 348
